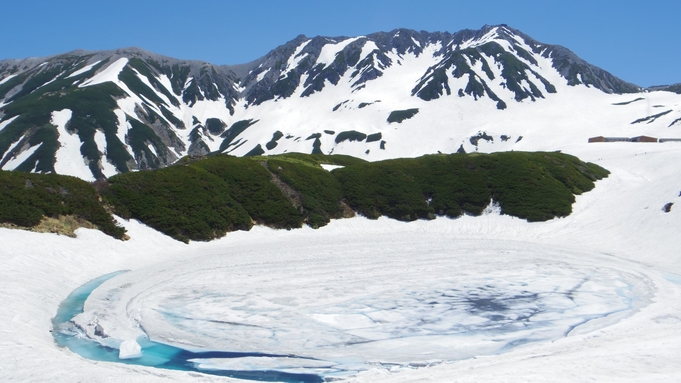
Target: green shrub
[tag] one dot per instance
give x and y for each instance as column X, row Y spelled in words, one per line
column 534, row 186
column 401, row 115
column 215, row 126
column 350, row 135
column 256, row 151
column 274, row 141
column 230, row 134
column 181, row 201
column 318, row 190
column 144, row 70
column 26, row 198
column 204, row 199
column 374, row 137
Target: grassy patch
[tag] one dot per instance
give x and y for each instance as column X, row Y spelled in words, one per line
column 432, row 86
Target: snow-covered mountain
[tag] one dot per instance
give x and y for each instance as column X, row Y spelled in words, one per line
column 592, row 296
column 385, row 95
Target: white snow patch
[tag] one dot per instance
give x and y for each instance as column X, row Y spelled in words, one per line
column 21, row 157
column 83, row 69
column 368, row 48
column 4, row 80
column 262, row 75
column 330, row 167
column 285, row 364
column 109, row 74
column 165, row 81
column 7, row 122
column 152, row 149
column 187, row 83
column 487, row 37
column 49, row 82
column 107, row 168
column 123, row 126
column 330, row 51
column 69, row 160
column 148, row 83
column 14, row 146
column 295, row 58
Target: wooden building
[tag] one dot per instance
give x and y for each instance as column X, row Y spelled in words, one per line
column 632, row 139
column 644, row 139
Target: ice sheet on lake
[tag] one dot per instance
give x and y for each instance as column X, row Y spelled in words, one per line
column 403, row 309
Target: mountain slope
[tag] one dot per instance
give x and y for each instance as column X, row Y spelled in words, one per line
column 385, row 95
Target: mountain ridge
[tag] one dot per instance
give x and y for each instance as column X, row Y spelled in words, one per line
column 132, row 109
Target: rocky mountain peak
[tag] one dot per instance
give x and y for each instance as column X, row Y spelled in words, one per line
column 126, row 109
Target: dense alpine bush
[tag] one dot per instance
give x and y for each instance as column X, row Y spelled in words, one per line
column 319, row 193
column 534, row 186
column 250, row 184
column 25, row 199
column 202, row 199
column 184, row 202
column 401, row 115
column 350, row 135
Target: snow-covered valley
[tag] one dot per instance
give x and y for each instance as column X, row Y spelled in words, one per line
column 441, row 294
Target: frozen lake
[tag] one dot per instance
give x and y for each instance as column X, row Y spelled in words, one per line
column 67, row 334
column 348, row 310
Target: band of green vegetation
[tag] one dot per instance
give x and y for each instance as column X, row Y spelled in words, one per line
column 26, row 198
column 203, row 200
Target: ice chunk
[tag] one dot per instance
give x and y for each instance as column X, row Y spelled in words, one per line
column 129, row 349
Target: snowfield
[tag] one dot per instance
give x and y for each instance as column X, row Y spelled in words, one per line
column 318, row 293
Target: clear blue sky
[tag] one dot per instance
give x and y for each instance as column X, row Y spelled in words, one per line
column 638, row 41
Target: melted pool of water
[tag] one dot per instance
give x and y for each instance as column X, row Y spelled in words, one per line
column 67, row 334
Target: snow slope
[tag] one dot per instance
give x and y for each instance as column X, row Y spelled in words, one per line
column 618, row 229
column 66, row 162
